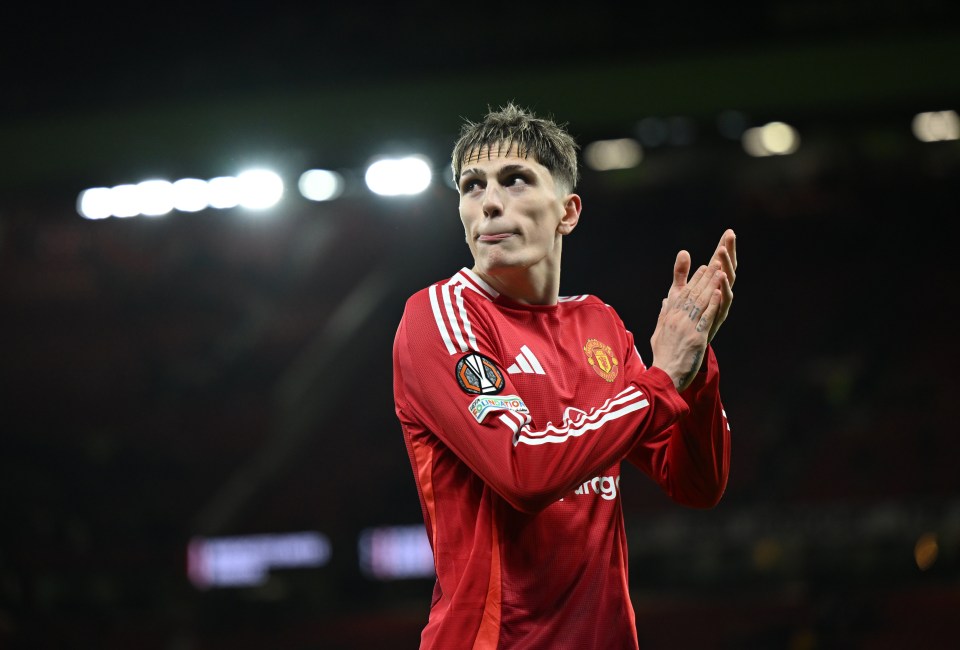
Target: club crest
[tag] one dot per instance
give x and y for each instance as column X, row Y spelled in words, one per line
column 601, row 359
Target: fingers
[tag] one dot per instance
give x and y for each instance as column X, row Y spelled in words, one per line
column 726, row 254
column 695, row 297
column 729, row 240
column 710, row 313
column 681, row 269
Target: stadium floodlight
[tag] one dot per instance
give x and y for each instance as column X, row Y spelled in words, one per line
column 223, row 192
column 779, row 138
column 255, row 189
column 320, row 184
column 191, row 195
column 154, row 197
column 94, row 203
column 605, row 155
column 772, row 139
column 124, row 201
column 399, row 176
column 259, row 189
column 936, row 126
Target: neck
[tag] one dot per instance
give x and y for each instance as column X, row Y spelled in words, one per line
column 531, row 286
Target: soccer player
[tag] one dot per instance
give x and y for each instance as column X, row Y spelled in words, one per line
column 518, row 405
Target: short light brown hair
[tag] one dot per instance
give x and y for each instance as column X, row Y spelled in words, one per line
column 512, row 126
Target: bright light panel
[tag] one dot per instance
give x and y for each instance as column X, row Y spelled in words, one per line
column 246, row 560
column 259, row 189
column 773, row 139
column 95, row 203
column 320, row 185
column 154, row 197
column 223, row 192
column 936, row 126
column 255, row 189
column 604, row 155
column 396, row 552
column 399, row 176
column 124, row 201
column 190, row 195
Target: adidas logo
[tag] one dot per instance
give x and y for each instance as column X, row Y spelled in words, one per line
column 526, row 363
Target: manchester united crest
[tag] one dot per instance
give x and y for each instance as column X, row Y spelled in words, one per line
column 601, row 359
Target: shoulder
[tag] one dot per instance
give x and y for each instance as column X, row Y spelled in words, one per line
column 453, row 293
column 582, row 299
column 586, row 303
column 590, row 309
column 449, row 314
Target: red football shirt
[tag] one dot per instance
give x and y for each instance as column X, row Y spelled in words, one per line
column 516, row 418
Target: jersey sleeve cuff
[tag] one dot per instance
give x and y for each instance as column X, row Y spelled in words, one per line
column 660, row 382
column 706, row 377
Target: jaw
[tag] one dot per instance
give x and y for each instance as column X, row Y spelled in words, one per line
column 495, row 258
column 512, row 256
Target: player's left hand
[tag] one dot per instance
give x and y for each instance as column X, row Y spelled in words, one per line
column 726, row 255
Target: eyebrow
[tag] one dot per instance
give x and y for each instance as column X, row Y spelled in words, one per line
column 512, row 167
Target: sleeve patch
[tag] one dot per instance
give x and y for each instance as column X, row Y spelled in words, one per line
column 481, row 406
column 479, row 375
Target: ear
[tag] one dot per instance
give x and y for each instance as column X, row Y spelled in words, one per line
column 571, row 214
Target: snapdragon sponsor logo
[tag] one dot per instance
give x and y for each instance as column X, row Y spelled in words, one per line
column 606, row 486
column 485, row 404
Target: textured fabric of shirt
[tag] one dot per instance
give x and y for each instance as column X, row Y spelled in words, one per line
column 516, row 418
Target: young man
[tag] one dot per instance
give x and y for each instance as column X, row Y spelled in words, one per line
column 518, row 405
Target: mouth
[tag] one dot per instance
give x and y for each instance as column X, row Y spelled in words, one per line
column 494, row 238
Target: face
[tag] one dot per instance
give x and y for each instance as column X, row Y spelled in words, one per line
column 513, row 213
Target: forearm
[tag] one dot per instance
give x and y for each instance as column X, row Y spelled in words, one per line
column 691, row 460
column 532, row 464
column 558, row 458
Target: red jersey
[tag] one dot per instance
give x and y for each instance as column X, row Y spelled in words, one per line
column 516, row 418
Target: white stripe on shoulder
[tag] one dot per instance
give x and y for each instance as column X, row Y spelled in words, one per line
column 473, row 281
column 446, row 290
column 579, row 298
column 438, row 317
column 462, row 309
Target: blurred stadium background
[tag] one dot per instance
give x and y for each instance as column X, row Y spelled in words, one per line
column 199, row 449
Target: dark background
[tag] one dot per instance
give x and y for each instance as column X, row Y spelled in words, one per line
column 226, row 373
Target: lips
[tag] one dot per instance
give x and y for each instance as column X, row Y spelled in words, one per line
column 495, row 237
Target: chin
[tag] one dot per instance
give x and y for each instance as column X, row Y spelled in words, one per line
column 498, row 263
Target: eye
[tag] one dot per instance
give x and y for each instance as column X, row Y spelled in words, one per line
column 515, row 180
column 470, row 185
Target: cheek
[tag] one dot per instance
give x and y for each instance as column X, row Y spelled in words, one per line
column 547, row 224
column 465, row 221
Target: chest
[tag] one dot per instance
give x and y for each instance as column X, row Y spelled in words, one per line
column 562, row 359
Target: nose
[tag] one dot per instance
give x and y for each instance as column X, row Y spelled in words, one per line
column 492, row 201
